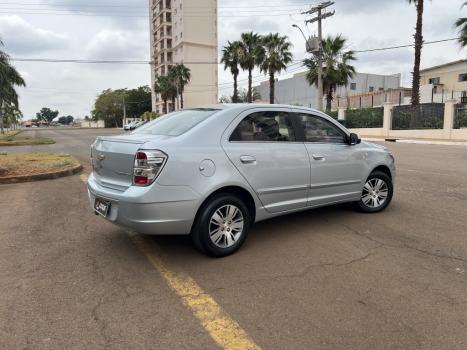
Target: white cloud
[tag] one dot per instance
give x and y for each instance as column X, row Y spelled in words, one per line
column 116, row 44
column 22, row 37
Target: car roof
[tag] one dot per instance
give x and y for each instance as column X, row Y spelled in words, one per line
column 237, row 106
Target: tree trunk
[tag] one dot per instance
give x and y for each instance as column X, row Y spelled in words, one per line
column 165, row 106
column 329, row 100
column 272, row 88
column 250, row 83
column 418, row 53
column 235, row 93
column 173, row 103
column 1, row 117
column 181, row 98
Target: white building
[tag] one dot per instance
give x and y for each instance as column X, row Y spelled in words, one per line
column 297, row 91
column 185, row 31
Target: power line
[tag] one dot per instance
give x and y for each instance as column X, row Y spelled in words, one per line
column 86, row 61
column 404, row 46
column 232, row 15
column 54, row 4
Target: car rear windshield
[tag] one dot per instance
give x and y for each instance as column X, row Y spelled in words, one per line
column 176, row 123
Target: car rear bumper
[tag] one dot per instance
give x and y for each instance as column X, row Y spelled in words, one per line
column 137, row 209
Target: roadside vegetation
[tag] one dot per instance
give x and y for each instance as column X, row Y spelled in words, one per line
column 10, row 79
column 18, row 138
column 26, row 164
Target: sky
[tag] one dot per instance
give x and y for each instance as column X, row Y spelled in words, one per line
column 119, row 30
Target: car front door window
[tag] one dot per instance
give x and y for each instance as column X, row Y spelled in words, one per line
column 318, row 129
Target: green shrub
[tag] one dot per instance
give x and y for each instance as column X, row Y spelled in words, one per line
column 364, row 118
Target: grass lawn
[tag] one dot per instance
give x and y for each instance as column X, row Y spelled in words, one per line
column 21, row 164
column 17, row 138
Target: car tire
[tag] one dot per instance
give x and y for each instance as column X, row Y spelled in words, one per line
column 222, row 226
column 378, row 187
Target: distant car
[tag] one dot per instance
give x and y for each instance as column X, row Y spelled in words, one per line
column 129, row 126
column 212, row 172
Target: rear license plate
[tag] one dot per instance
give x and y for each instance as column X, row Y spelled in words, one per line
column 101, row 206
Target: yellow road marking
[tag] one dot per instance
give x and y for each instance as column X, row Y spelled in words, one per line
column 223, row 330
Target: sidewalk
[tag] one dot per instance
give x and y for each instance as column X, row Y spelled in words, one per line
column 417, row 141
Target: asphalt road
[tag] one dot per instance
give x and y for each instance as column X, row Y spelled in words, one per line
column 324, row 279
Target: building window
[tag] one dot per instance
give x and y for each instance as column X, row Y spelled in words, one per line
column 353, row 86
column 463, row 77
column 434, row 81
column 371, row 89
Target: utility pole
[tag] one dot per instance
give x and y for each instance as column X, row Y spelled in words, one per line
column 124, row 111
column 319, row 17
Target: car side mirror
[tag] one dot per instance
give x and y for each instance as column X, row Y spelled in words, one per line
column 354, row 139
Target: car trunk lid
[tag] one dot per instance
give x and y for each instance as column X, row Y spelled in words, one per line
column 113, row 159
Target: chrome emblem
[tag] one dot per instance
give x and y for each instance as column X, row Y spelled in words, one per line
column 100, row 157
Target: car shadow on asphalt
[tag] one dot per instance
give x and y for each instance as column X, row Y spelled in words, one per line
column 275, row 229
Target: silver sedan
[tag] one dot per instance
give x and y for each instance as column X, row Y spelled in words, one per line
column 212, row 172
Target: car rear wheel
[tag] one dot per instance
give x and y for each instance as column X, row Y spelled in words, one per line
column 376, row 194
column 222, row 225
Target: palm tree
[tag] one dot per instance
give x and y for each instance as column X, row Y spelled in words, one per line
column 418, row 52
column 277, row 56
column 251, row 55
column 9, row 79
column 166, row 88
column 180, row 75
column 231, row 60
column 461, row 23
column 337, row 70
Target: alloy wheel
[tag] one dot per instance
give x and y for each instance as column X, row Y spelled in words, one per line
column 375, row 193
column 226, row 226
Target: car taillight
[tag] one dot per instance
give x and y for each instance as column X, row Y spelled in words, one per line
column 148, row 165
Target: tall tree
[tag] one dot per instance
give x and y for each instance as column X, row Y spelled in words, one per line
column 180, row 75
column 9, row 80
column 138, row 101
column 461, row 24
column 231, row 60
column 277, row 56
column 109, row 107
column 418, row 52
column 337, row 70
column 46, row 115
column 251, row 55
column 166, row 88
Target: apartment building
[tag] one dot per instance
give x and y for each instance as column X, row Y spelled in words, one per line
column 185, row 31
column 450, row 76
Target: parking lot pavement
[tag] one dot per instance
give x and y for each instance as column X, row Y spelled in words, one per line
column 323, row 279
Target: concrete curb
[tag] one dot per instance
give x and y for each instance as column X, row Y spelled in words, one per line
column 38, row 177
column 421, row 142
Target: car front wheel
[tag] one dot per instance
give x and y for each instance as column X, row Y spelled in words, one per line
column 377, row 193
column 222, row 226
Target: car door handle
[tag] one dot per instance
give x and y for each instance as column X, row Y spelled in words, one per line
column 247, row 159
column 318, row 157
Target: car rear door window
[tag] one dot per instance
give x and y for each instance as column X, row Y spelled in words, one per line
column 318, row 129
column 266, row 126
